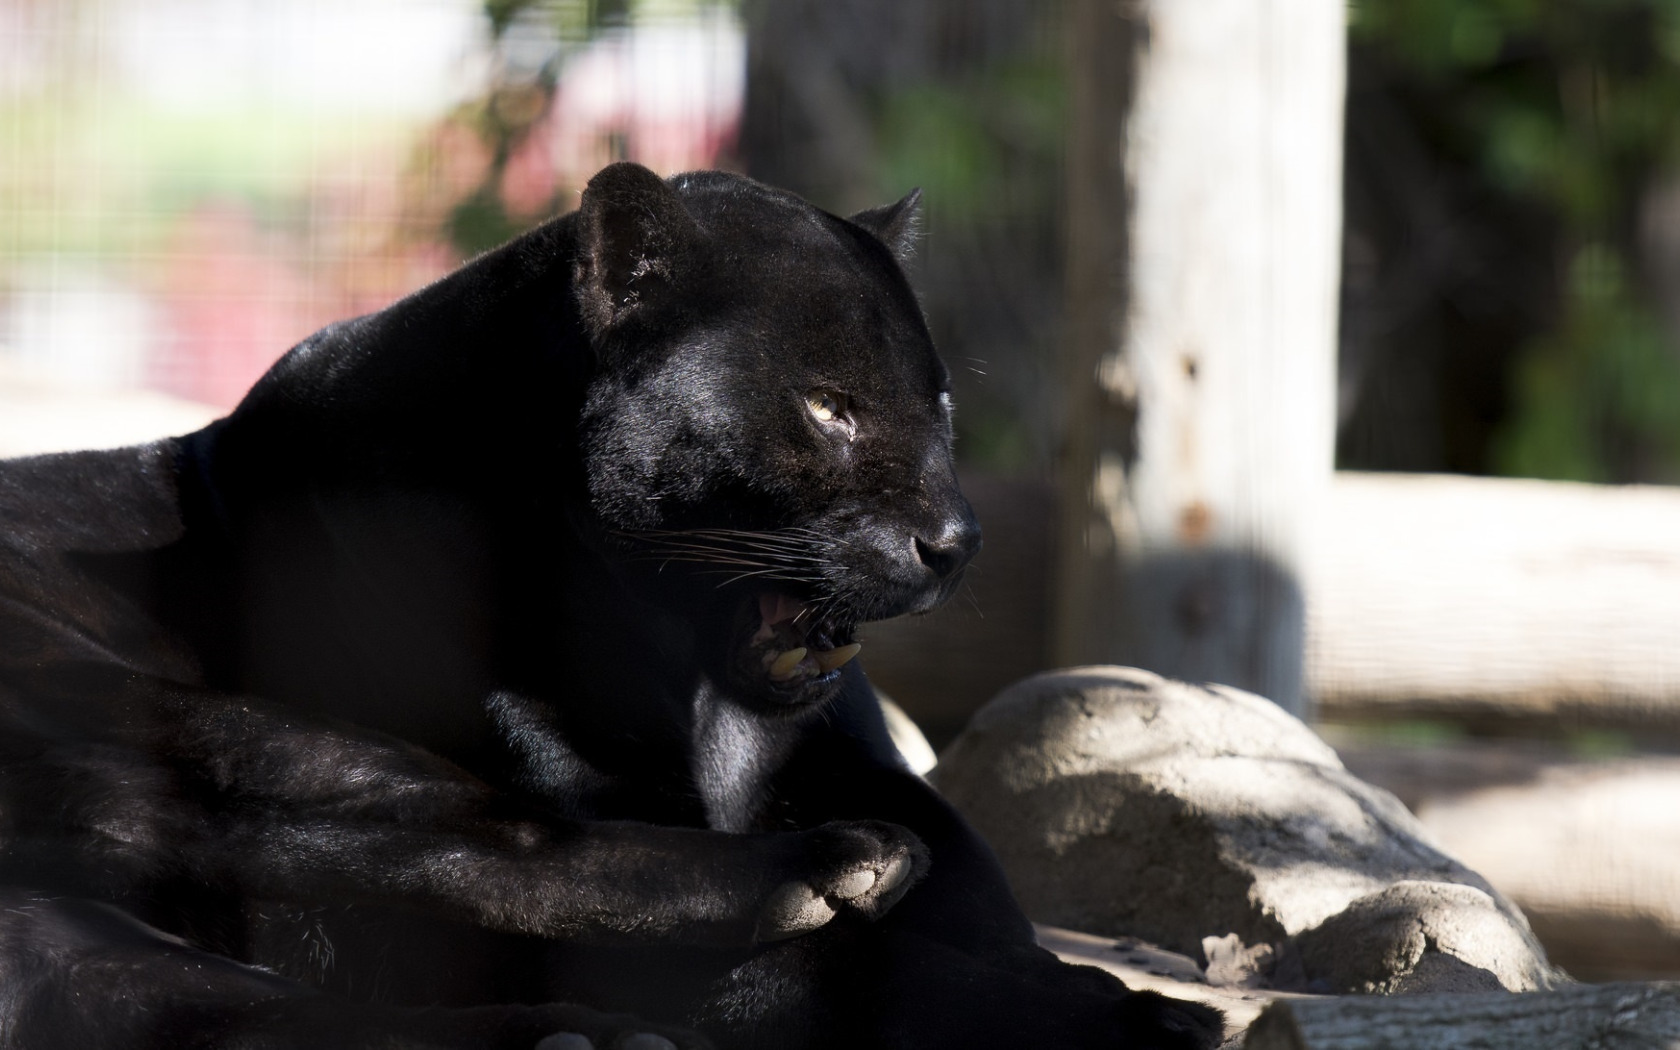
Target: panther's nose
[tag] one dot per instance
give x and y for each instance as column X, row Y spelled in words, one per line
column 953, row 546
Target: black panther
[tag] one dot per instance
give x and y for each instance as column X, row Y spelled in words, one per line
column 495, row 655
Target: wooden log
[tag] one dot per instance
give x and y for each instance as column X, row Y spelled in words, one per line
column 1606, row 1017
column 1204, row 223
column 1589, row 852
column 1497, row 599
column 1526, row 604
column 1585, row 847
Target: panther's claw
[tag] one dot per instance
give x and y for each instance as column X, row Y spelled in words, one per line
column 794, row 908
column 854, row 885
column 897, row 869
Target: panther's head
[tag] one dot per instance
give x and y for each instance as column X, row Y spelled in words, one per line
column 768, row 428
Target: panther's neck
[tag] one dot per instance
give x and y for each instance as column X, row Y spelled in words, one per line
column 365, row 496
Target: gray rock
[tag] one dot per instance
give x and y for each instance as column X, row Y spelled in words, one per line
column 1126, row 804
column 1418, row 937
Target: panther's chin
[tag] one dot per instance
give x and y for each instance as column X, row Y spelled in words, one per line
column 791, row 650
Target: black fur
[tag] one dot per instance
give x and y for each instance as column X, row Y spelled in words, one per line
column 434, row 680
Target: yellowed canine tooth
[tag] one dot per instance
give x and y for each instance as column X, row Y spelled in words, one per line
column 785, row 663
column 838, row 657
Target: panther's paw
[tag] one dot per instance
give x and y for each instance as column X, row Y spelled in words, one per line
column 865, row 866
column 584, row 1029
column 632, row 1041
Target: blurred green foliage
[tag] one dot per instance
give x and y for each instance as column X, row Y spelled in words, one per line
column 985, row 145
column 965, row 141
column 518, row 95
column 1573, row 105
column 570, row 19
column 530, row 41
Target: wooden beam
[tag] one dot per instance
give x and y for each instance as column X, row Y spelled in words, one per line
column 1497, row 599
column 1607, row 1016
column 1522, row 604
column 1204, row 224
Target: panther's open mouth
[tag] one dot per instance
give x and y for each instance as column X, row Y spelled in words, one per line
column 783, row 646
column 795, row 644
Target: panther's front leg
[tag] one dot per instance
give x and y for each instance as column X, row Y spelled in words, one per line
column 219, row 798
column 954, row 963
column 259, row 802
column 83, row 974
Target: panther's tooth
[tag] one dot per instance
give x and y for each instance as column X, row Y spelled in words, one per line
column 838, row 657
column 784, row 664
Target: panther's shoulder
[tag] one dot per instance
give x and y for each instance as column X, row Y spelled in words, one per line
column 96, row 502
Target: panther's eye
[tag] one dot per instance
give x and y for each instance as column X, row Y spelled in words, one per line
column 826, row 405
column 832, row 410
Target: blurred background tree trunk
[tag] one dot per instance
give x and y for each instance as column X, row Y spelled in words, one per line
column 1199, row 368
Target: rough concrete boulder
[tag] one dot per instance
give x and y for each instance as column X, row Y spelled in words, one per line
column 1209, row 821
column 1421, row 937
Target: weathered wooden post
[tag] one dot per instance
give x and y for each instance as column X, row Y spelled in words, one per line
column 1204, row 218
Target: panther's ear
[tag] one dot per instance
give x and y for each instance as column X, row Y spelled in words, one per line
column 897, row 225
column 634, row 235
